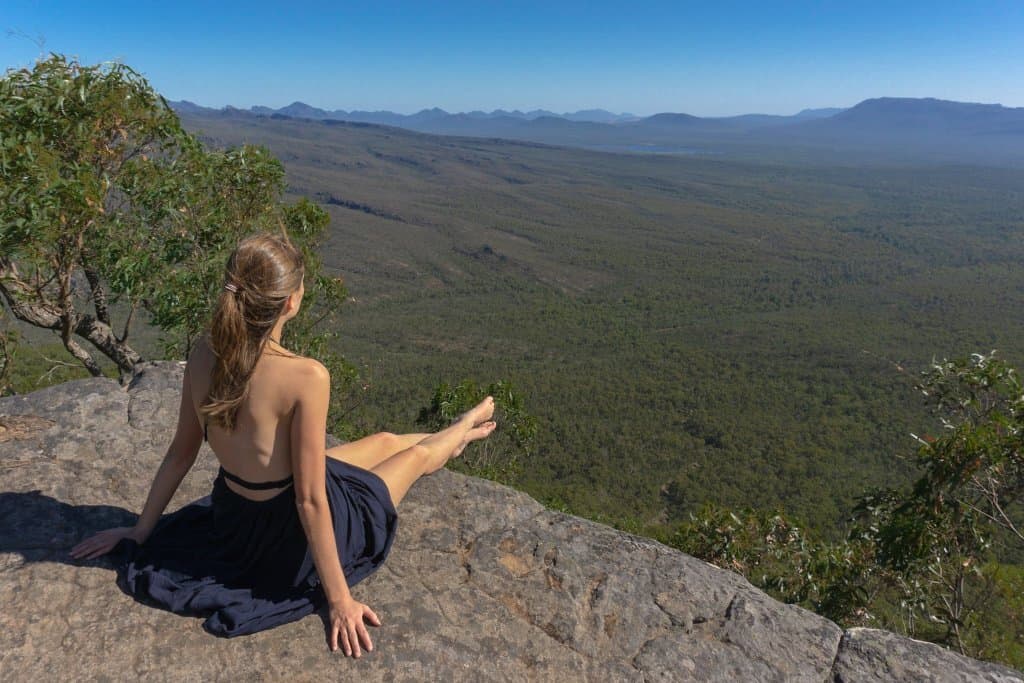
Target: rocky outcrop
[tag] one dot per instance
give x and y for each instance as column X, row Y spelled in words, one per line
column 867, row 654
column 483, row 583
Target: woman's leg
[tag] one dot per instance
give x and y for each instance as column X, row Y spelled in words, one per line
column 430, row 454
column 370, row 451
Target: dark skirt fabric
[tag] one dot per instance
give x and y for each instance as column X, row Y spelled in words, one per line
column 246, row 565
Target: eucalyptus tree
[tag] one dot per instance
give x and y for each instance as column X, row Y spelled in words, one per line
column 106, row 199
column 937, row 536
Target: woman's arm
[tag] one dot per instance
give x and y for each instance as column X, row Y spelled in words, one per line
column 168, row 478
column 180, row 457
column 309, row 467
column 309, row 450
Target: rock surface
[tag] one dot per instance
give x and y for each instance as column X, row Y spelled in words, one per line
column 867, row 654
column 483, row 582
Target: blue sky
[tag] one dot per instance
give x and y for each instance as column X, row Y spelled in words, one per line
column 708, row 58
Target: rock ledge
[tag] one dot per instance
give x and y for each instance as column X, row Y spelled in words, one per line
column 483, row 582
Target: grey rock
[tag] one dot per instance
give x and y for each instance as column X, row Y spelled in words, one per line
column 483, row 583
column 868, row 654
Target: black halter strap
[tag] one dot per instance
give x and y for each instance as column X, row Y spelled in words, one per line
column 258, row 485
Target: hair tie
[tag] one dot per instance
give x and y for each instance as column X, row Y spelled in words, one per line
column 230, row 286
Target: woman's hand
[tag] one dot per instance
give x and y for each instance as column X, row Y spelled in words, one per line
column 346, row 618
column 103, row 542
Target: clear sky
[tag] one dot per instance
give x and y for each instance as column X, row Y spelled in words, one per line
column 709, row 58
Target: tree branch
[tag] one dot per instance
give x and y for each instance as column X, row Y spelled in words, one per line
column 99, row 295
column 128, row 322
column 47, row 315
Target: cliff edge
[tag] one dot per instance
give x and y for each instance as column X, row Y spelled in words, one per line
column 483, row 582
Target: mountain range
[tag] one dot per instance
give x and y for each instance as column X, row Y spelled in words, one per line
column 884, row 130
column 423, row 117
column 390, row 118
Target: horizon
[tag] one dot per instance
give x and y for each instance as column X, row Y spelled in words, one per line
column 576, row 111
column 732, row 59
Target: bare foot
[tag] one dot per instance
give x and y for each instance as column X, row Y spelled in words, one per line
column 441, row 445
column 480, row 412
column 481, row 432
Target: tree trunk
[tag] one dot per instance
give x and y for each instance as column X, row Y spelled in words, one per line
column 24, row 304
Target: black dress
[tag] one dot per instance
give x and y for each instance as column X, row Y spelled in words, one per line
column 246, row 565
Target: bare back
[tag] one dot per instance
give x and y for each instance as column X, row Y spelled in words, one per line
column 259, row 448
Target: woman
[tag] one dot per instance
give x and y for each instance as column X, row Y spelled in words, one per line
column 285, row 528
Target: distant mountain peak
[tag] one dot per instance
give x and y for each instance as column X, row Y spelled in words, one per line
column 818, row 113
column 672, row 117
column 932, row 113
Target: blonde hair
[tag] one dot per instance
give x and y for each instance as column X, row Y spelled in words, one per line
column 263, row 270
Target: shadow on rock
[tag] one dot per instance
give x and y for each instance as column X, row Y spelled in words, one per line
column 43, row 529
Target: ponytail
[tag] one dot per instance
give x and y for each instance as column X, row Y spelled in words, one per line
column 260, row 274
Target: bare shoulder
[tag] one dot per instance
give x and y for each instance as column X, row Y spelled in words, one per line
column 201, row 357
column 314, row 371
column 311, row 382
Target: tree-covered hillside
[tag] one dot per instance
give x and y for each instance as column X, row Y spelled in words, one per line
column 686, row 330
